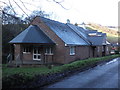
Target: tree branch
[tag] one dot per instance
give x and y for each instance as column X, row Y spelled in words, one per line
column 23, row 4
column 10, row 15
column 11, row 7
column 59, row 3
column 20, row 8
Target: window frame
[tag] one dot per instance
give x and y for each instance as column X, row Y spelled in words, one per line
column 36, row 54
column 72, row 50
column 49, row 51
column 107, row 49
column 26, row 50
column 98, row 49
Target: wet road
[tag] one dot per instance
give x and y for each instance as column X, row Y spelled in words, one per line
column 101, row 76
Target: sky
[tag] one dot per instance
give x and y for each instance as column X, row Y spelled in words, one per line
column 104, row 12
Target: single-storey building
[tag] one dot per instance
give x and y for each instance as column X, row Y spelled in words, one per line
column 48, row 41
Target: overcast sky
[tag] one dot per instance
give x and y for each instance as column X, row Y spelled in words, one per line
column 104, row 12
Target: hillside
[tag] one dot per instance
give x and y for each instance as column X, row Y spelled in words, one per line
column 112, row 33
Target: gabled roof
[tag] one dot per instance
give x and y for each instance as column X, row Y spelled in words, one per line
column 64, row 32
column 69, row 33
column 32, row 34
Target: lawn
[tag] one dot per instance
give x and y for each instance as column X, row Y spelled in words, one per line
column 36, row 77
column 31, row 71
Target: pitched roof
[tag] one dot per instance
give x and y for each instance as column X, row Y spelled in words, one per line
column 94, row 40
column 69, row 33
column 97, row 40
column 32, row 34
column 65, row 32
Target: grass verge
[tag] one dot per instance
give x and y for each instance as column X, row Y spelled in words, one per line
column 21, row 77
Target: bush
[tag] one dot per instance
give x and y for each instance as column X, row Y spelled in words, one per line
column 38, row 77
column 116, row 52
column 16, row 81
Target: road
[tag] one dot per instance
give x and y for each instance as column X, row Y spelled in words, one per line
column 101, row 76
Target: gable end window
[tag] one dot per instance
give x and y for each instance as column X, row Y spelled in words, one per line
column 26, row 49
column 72, row 50
column 49, row 51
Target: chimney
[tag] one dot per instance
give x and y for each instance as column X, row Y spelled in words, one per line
column 68, row 21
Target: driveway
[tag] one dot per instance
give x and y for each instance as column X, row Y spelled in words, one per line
column 101, row 76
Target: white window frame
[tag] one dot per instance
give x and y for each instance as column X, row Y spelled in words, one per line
column 48, row 51
column 26, row 50
column 72, row 50
column 37, row 54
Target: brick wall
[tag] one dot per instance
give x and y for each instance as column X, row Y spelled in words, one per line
column 60, row 45
column 81, row 52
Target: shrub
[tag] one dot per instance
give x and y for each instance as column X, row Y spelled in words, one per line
column 37, row 77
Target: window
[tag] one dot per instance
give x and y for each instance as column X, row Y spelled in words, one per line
column 102, row 48
column 98, row 49
column 107, row 49
column 92, row 34
column 26, row 49
column 36, row 54
column 72, row 50
column 49, row 50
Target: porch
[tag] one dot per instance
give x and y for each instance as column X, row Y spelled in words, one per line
column 24, row 54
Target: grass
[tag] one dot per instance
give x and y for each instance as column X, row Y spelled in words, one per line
column 31, row 71
column 112, row 39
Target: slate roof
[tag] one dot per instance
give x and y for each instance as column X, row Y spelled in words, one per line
column 97, row 40
column 32, row 34
column 100, row 39
column 94, row 40
column 69, row 33
column 75, row 35
column 65, row 32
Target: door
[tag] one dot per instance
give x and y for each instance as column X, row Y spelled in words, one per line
column 36, row 54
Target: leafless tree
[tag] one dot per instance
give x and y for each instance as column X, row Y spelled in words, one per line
column 13, row 13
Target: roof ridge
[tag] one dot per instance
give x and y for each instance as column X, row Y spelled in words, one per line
column 51, row 20
column 26, row 33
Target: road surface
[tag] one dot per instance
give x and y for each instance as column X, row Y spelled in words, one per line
column 101, row 76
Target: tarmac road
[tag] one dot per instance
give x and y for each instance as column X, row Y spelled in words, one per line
column 101, row 76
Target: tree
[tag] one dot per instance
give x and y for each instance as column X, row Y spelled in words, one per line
column 36, row 13
column 13, row 25
column 9, row 18
column 13, row 12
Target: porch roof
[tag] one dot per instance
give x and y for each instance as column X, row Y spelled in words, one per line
column 32, row 34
